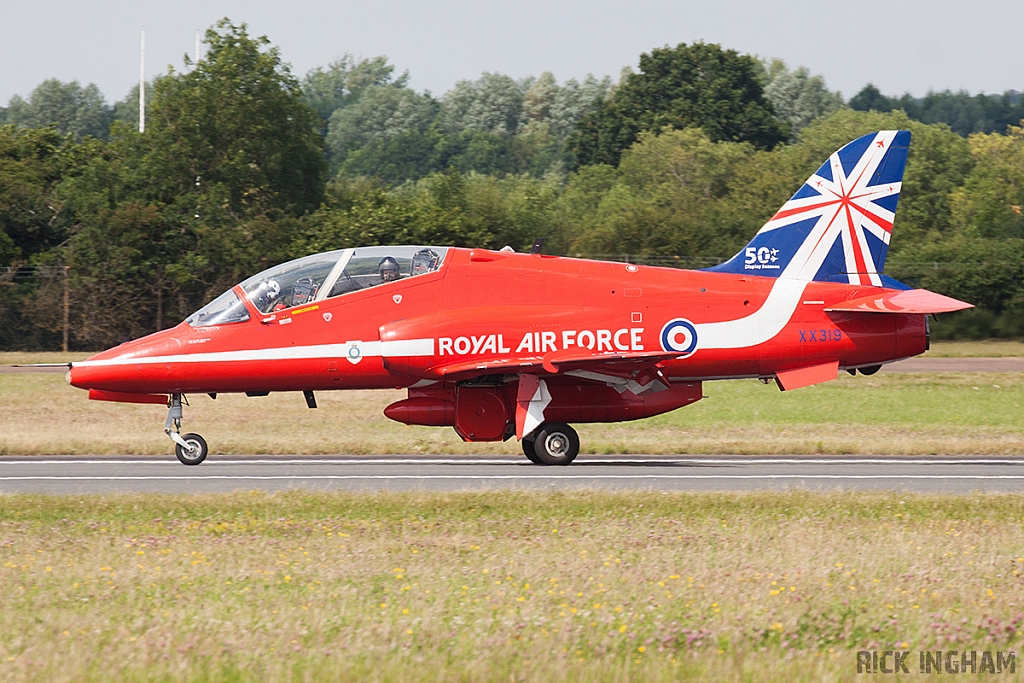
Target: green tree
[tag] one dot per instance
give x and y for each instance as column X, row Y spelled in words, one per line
column 491, row 104
column 985, row 272
column 539, row 99
column 235, row 131
column 340, row 83
column 962, row 112
column 381, row 113
column 797, row 96
column 396, row 159
column 699, row 85
column 573, row 100
column 989, row 203
column 494, row 125
column 33, row 215
column 671, row 197
column 67, row 106
column 870, row 98
column 35, row 221
column 126, row 110
column 213, row 190
column 359, row 213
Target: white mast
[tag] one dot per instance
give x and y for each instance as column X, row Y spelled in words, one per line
column 197, row 46
column 142, row 84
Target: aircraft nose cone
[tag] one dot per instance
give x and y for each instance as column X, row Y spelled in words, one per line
column 114, row 368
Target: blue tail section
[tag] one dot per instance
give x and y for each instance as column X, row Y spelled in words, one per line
column 837, row 226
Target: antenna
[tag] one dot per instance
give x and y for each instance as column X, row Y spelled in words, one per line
column 142, row 84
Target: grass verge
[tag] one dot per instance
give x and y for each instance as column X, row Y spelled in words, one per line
column 942, row 413
column 504, row 585
column 987, row 348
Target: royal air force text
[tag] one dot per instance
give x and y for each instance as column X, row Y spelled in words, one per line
column 610, row 341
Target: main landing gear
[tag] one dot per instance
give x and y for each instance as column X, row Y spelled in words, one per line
column 552, row 443
column 190, row 448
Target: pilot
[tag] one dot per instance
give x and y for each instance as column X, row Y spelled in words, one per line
column 388, row 268
column 265, row 294
column 424, row 261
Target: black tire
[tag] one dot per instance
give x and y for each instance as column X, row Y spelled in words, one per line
column 530, row 451
column 870, row 370
column 556, row 444
column 194, row 456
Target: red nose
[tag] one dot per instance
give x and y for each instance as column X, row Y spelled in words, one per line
column 127, row 367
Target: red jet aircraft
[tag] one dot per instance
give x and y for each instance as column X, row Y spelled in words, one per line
column 499, row 344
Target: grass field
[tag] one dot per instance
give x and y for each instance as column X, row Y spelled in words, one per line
column 990, row 348
column 501, row 586
column 943, row 413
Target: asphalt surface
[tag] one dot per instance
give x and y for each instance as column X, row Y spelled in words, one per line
column 141, row 474
column 84, row 474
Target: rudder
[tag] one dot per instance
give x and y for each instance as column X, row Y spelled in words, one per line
column 837, row 226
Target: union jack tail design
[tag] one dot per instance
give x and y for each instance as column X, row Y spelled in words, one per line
column 837, row 227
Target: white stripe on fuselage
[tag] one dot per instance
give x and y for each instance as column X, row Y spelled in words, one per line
column 367, row 349
column 407, row 347
column 758, row 327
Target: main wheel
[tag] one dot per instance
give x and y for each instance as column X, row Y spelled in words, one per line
column 196, row 451
column 557, row 444
column 870, row 370
column 530, row 450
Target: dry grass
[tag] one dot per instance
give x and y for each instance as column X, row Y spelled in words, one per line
column 580, row 586
column 970, row 413
column 21, row 357
column 989, row 348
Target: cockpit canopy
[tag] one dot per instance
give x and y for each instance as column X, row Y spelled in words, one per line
column 318, row 277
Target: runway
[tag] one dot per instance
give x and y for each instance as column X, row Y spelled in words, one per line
column 143, row 474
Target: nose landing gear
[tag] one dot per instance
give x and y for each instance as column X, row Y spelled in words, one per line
column 190, row 448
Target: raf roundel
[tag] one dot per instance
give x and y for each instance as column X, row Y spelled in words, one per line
column 354, row 354
column 679, row 336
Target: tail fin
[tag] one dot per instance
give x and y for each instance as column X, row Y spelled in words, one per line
column 836, row 228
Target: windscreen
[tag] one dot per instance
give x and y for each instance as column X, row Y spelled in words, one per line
column 319, row 276
column 226, row 308
column 290, row 284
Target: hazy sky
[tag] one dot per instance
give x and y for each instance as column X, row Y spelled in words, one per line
column 900, row 46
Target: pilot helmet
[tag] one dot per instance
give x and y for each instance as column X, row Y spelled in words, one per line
column 424, row 261
column 388, row 268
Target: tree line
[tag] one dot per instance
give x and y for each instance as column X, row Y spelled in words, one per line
column 678, row 162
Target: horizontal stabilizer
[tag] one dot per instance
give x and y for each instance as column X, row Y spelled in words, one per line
column 906, row 301
column 806, row 376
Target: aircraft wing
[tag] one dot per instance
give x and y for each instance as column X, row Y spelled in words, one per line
column 569, row 362
column 902, row 301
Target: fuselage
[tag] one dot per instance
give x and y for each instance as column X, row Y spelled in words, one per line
column 483, row 308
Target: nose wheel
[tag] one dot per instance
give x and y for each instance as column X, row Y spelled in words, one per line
column 191, row 449
column 194, row 452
